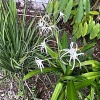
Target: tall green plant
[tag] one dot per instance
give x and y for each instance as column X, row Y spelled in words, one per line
column 69, row 83
column 16, row 38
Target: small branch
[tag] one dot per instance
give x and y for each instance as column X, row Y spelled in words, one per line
column 95, row 5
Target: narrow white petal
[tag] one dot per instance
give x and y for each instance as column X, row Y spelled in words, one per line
column 78, row 61
column 80, row 54
column 70, row 60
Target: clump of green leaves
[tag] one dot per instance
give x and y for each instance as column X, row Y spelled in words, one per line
column 17, row 38
column 18, row 47
column 80, row 15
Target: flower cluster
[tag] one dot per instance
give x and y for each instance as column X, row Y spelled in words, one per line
column 45, row 25
column 72, row 54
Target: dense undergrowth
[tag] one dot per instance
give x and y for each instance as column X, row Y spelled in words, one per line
column 41, row 45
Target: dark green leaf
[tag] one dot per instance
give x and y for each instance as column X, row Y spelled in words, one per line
column 67, row 10
column 87, row 6
column 94, row 63
column 62, row 95
column 88, row 46
column 52, row 53
column 62, row 5
column 64, row 41
column 71, row 91
column 83, row 83
column 79, row 11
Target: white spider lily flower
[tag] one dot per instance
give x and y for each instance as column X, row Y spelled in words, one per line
column 72, row 53
column 40, row 23
column 39, row 63
column 43, row 46
column 45, row 25
column 44, row 21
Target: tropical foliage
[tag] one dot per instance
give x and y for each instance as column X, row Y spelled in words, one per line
column 41, row 46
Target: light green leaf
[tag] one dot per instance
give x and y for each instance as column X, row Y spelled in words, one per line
column 91, row 75
column 68, row 78
column 79, row 31
column 49, row 8
column 75, row 28
column 85, row 28
column 38, row 71
column 87, row 6
column 23, row 59
column 57, row 91
column 94, row 12
column 98, row 35
column 79, row 11
column 94, row 31
column 67, row 10
column 56, row 5
column 91, row 25
column 92, row 93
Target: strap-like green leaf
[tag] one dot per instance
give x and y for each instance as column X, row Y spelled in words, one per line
column 62, row 95
column 91, row 75
column 64, row 41
column 56, row 5
column 52, row 53
column 57, row 91
column 84, row 30
column 88, row 46
column 83, row 83
column 38, row 71
column 71, row 91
